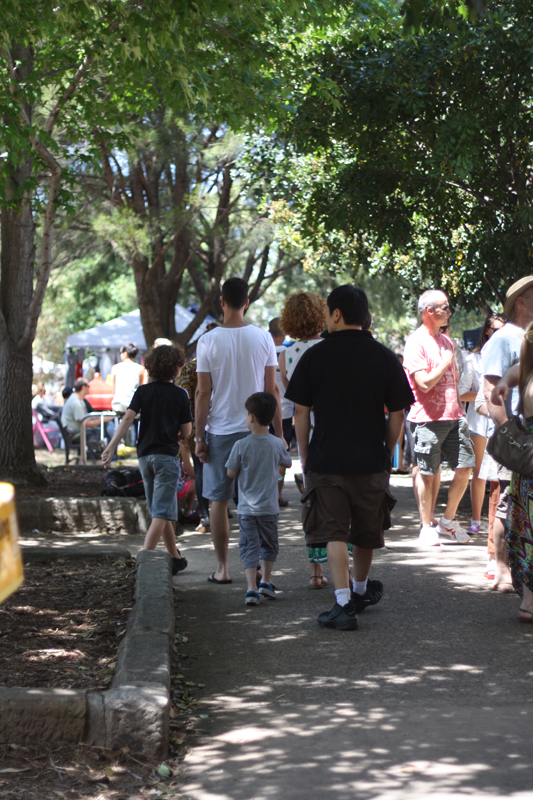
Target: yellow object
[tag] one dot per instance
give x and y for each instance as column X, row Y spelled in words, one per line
column 11, row 574
column 123, row 451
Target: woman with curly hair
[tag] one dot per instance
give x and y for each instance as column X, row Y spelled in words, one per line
column 304, row 318
column 165, row 414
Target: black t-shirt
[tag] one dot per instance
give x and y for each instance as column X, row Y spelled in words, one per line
column 348, row 379
column 164, row 407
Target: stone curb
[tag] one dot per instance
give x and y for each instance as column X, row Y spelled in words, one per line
column 88, row 514
column 135, row 712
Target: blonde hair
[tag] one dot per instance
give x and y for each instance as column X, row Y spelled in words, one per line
column 526, row 359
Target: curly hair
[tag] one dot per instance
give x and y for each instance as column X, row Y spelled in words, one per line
column 304, row 315
column 164, row 362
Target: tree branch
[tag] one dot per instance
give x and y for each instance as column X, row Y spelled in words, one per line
column 82, row 69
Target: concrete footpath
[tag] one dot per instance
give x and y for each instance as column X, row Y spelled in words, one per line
column 432, row 695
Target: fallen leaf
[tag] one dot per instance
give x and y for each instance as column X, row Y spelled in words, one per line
column 13, row 769
column 163, row 771
column 109, row 772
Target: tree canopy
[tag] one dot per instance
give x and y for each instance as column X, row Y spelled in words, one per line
column 425, row 164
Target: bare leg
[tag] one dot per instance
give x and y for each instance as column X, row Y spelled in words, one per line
column 436, row 488
column 457, row 490
column 502, row 577
column 218, row 518
column 526, row 604
column 494, row 499
column 339, row 564
column 189, row 497
column 425, row 495
column 316, row 577
column 362, row 561
column 268, row 566
column 161, row 528
column 477, row 484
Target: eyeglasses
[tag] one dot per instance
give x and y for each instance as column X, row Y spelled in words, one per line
column 441, row 308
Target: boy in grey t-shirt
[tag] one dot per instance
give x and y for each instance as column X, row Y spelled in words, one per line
column 256, row 459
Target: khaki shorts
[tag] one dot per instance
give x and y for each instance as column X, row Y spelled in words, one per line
column 347, row 508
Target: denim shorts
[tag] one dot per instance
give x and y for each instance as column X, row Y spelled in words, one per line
column 217, row 484
column 443, row 439
column 161, row 475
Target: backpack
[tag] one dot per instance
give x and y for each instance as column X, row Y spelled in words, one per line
column 123, row 483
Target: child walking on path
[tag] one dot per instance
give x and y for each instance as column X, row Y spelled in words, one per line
column 165, row 413
column 256, row 460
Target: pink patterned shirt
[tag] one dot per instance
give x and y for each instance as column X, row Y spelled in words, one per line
column 423, row 351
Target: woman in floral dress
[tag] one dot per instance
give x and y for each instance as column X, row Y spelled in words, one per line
column 519, row 524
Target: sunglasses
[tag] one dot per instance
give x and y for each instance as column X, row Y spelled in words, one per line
column 441, row 308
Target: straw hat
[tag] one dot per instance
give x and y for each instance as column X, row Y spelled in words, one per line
column 514, row 292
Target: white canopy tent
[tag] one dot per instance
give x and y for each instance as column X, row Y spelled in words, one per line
column 106, row 340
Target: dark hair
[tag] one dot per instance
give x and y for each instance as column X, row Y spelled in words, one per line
column 80, row 383
column 263, row 406
column 484, row 336
column 67, row 391
column 351, row 302
column 235, row 293
column 211, row 326
column 130, row 349
column 163, row 362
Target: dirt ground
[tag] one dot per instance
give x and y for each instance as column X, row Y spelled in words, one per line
column 68, row 482
column 63, row 626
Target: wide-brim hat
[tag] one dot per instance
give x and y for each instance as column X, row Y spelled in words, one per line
column 513, row 292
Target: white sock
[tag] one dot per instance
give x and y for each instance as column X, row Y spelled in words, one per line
column 342, row 596
column 446, row 521
column 427, row 528
column 360, row 586
column 475, row 522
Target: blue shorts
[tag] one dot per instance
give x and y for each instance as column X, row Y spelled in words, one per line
column 217, row 484
column 160, row 476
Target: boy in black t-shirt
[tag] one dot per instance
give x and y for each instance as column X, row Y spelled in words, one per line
column 165, row 413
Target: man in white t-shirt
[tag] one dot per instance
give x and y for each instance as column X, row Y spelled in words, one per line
column 501, row 352
column 440, row 427
column 233, row 361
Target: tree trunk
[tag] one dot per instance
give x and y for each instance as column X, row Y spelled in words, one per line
column 17, row 261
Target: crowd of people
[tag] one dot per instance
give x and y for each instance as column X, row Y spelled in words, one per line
column 230, row 412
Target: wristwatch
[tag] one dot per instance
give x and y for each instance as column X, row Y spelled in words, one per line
column 199, row 439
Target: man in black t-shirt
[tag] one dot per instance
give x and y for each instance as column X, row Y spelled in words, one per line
column 348, row 380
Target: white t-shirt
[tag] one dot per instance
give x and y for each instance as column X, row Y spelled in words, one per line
column 471, row 380
column 287, row 407
column 501, row 352
column 236, row 358
column 127, row 378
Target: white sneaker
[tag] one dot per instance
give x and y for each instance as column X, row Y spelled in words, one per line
column 428, row 536
column 454, row 530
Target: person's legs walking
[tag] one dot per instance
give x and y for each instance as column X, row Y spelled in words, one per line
column 218, row 519
column 477, row 484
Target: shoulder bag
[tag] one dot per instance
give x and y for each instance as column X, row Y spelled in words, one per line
column 512, row 446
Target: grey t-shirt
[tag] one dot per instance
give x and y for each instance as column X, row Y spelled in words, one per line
column 257, row 460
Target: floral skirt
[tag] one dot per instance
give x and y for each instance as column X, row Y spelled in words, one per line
column 519, row 532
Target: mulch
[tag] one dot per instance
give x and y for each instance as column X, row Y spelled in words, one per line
column 66, row 482
column 62, row 627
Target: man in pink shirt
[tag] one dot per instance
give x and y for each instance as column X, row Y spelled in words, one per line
column 440, row 428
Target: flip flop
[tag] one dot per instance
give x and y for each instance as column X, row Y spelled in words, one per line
column 323, row 582
column 212, row 579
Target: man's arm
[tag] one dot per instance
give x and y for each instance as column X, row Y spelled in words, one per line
column 302, row 423
column 427, row 380
column 394, row 426
column 508, row 381
column 119, row 434
column 271, row 386
column 202, row 398
column 497, row 412
column 186, row 429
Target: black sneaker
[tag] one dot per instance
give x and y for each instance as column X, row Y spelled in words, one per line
column 178, row 565
column 373, row 594
column 343, row 618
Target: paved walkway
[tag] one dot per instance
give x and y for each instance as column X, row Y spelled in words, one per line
column 432, row 695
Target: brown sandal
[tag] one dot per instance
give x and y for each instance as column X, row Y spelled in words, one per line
column 528, row 619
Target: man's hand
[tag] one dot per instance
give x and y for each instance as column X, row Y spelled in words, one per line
column 447, row 358
column 201, row 451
